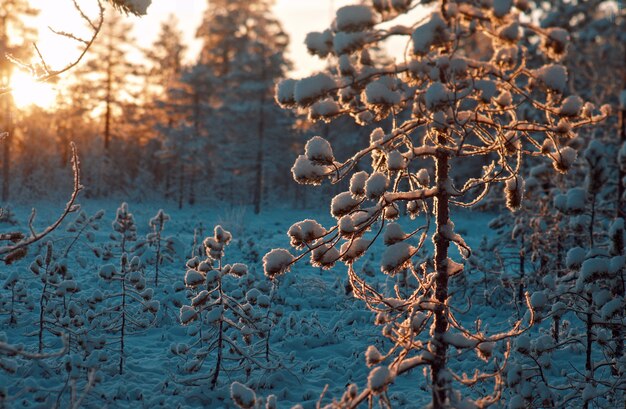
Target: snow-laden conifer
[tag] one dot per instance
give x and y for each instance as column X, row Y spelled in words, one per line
column 447, row 106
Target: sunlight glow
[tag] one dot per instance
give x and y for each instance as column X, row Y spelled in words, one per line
column 27, row 91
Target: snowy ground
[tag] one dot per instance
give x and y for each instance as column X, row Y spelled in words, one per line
column 320, row 339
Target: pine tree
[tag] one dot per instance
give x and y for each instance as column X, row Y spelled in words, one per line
column 448, row 105
column 244, row 46
column 105, row 79
column 231, row 327
column 131, row 308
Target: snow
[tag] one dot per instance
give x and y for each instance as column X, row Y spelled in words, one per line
column 564, row 159
column 319, row 44
column 571, row 106
column 377, row 136
column 343, row 204
column 395, row 257
column 557, row 41
column 589, row 393
column 324, row 256
column 552, row 76
column 318, row 150
column 592, row 268
column 504, row 99
column 357, row 183
column 510, row 32
column 378, row 379
column 379, row 93
column 488, row 89
column 539, row 299
column 522, row 344
column 140, row 6
column 393, row 234
column 324, row 109
column 305, row 232
column 373, row 356
column 516, row 402
column 242, row 395
column 575, row 257
column 137, row 7
column 347, row 43
column 238, row 270
column 107, row 271
column 352, row 250
column 305, row 171
column 396, row 161
column 354, row 18
column 514, row 190
column 376, row 185
column 437, row 96
column 423, row 177
column 187, row 314
column 459, row 340
column 346, row 225
column 328, row 330
column 285, row 90
column 576, row 200
column 432, row 33
column 277, row 262
column 502, row 7
column 346, row 68
column 611, row 308
column 308, row 90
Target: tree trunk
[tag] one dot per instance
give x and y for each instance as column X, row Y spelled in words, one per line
column 258, row 187
column 220, row 345
column 588, row 363
column 556, row 320
column 438, row 365
column 123, row 329
column 158, row 256
column 181, row 185
column 6, row 157
column 522, row 271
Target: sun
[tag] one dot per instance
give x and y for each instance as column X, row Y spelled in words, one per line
column 27, row 91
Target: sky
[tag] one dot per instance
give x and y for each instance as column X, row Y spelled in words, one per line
column 298, row 17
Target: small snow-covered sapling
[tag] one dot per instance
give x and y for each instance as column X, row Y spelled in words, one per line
column 131, row 307
column 57, row 283
column 83, row 226
column 156, row 249
column 124, row 234
column 229, row 324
